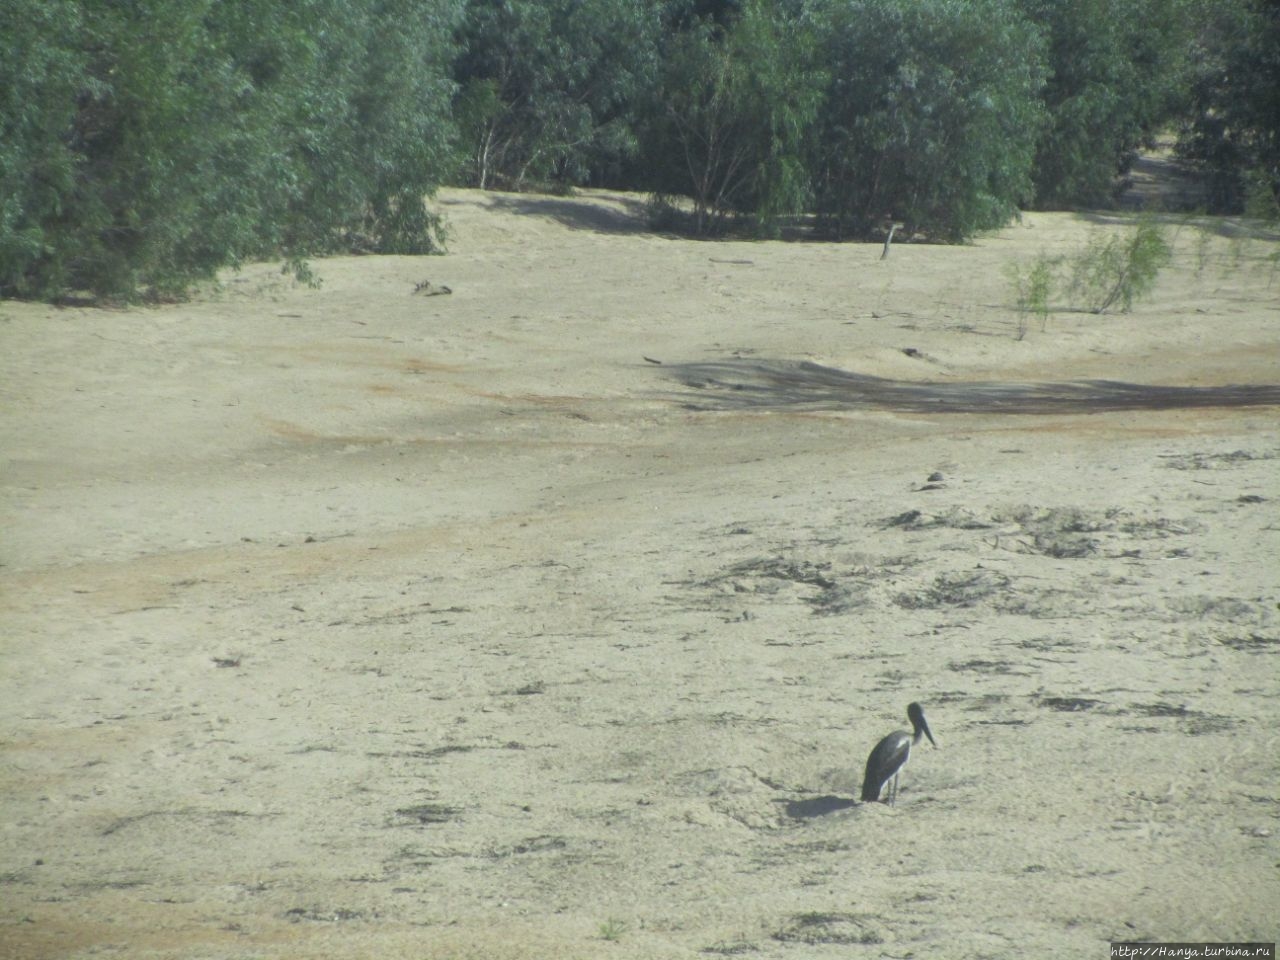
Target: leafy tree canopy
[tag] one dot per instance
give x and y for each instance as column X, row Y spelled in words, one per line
column 144, row 145
column 931, row 115
column 731, row 117
column 1117, row 75
column 1232, row 130
column 147, row 144
column 549, row 87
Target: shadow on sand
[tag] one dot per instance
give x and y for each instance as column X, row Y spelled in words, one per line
column 585, row 214
column 782, row 384
column 817, row 807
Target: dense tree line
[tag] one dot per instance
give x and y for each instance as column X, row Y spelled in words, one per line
column 144, row 145
column 1232, row 125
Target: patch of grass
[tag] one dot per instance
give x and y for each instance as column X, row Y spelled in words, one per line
column 612, row 930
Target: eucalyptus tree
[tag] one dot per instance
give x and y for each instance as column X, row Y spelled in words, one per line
column 1118, row 74
column 732, row 116
column 930, row 118
column 1232, row 130
column 547, row 87
column 145, row 145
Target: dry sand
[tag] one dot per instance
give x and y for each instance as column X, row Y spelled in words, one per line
column 363, row 622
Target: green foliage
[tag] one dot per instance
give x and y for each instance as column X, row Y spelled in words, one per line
column 930, row 117
column 1262, row 196
column 144, row 145
column 1120, row 268
column 147, row 144
column 612, row 929
column 389, row 144
column 682, row 14
column 1112, row 268
column 731, row 117
column 548, row 87
column 479, row 113
column 1233, row 130
column 41, row 74
column 1033, row 289
column 1118, row 73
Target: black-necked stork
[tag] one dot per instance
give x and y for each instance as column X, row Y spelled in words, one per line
column 891, row 755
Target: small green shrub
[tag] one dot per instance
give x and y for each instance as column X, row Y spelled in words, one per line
column 1203, row 248
column 1033, row 287
column 1112, row 269
column 612, row 929
column 1262, row 203
column 1262, row 197
column 1120, row 268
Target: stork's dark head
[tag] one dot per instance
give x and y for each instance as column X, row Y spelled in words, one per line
column 919, row 725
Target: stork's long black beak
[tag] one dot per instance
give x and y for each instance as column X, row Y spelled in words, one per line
column 919, row 724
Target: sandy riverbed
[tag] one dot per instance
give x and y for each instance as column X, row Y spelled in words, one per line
column 374, row 622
